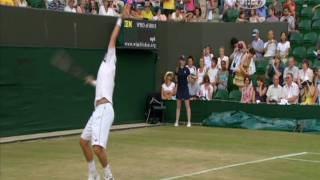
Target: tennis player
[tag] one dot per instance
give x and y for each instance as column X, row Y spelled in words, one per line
column 98, row 127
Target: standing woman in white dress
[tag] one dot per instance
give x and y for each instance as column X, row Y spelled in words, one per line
column 201, row 71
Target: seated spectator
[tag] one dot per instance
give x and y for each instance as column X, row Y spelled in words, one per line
column 247, row 91
column 305, row 74
column 310, row 93
column 108, row 9
column 177, row 15
column 290, row 90
column 197, row 17
column 155, row 4
column 291, row 6
column 201, row 71
column 213, row 73
column 190, row 65
column 137, row 14
column 262, row 13
column 56, row 5
column 22, row 3
column 260, row 91
column 317, row 85
column 168, row 88
column 230, row 4
column 206, row 89
column 93, row 7
column 223, row 75
column 242, row 17
column 189, row 5
column 70, row 7
column 257, row 44
column 82, row 8
column 289, row 19
column 272, row 17
column 277, row 6
column 254, row 18
column 194, row 87
column 283, row 47
column 293, row 69
column 147, row 13
column 159, row 16
column 274, row 93
column 188, row 17
column 245, row 68
column 207, row 55
column 236, row 56
column 222, row 57
column 168, row 7
column 276, row 68
column 270, row 47
column 213, row 13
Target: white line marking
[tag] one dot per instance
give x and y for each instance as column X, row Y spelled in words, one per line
column 314, row 153
column 235, row 165
column 303, row 160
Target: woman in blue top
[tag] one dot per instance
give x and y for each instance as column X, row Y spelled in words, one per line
column 182, row 73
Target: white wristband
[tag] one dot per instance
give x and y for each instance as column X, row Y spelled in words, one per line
column 119, row 22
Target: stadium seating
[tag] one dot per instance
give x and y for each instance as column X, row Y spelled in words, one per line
column 235, row 95
column 232, row 15
column 316, row 16
column 306, row 13
column 261, row 66
column 299, row 53
column 316, row 63
column 310, row 52
column 296, row 39
column 304, row 26
column 310, row 39
column 221, row 94
column 316, row 26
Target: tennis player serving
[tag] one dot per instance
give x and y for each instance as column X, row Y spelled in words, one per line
column 98, row 127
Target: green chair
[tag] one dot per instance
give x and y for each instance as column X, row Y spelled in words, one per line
column 316, row 26
column 235, row 95
column 299, row 53
column 316, row 64
column 221, row 94
column 310, row 39
column 310, row 52
column 261, row 66
column 299, row 2
column 231, row 86
column 254, row 80
column 232, row 15
column 304, row 26
column 316, row 16
column 313, row 2
column 306, row 13
column 296, row 39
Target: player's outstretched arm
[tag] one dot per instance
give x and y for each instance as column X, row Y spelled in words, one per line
column 115, row 33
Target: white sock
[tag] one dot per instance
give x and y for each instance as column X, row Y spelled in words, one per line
column 119, row 22
column 92, row 167
column 107, row 171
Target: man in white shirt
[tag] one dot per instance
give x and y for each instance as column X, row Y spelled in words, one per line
column 290, row 90
column 274, row 93
column 213, row 73
column 207, row 56
column 177, row 15
column 270, row 47
column 70, row 7
column 294, row 70
column 98, row 127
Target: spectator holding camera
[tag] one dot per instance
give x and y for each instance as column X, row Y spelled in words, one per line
column 276, row 68
column 239, row 50
column 310, row 93
column 245, row 68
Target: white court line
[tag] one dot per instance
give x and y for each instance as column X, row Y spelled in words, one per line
column 303, row 160
column 235, row 165
column 314, row 153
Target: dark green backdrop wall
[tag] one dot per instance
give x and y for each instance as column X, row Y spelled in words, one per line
column 37, row 97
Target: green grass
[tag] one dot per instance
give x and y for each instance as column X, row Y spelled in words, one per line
column 160, row 152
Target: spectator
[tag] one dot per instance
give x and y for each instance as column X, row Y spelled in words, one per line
column 260, row 91
column 194, row 88
column 283, row 47
column 236, row 56
column 223, row 75
column 189, row 5
column 274, row 93
column 137, row 14
column 262, row 13
column 206, row 89
column 292, row 68
column 168, row 7
column 275, row 68
column 245, row 68
column 168, row 88
column 310, row 94
column 277, row 7
column 82, row 8
column 254, row 17
column 147, row 13
column 272, row 17
column 182, row 73
column 56, row 5
column 22, row 3
column 270, row 47
column 317, row 85
column 213, row 73
column 70, row 7
column 247, row 91
column 305, row 74
column 242, row 17
column 201, row 71
column 213, row 14
column 222, row 57
column 156, row 5
column 207, row 55
column 108, row 9
column 291, row 6
column 290, row 90
column 190, row 66
column 257, row 44
column 289, row 19
column 197, row 17
column 177, row 15
column 93, row 7
column 230, row 4
column 159, row 16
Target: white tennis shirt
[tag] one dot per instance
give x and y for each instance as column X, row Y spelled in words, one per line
column 106, row 75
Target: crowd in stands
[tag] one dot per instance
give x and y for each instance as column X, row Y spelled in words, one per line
column 262, row 71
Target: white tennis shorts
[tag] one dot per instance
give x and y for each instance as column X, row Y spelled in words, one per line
column 98, row 127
